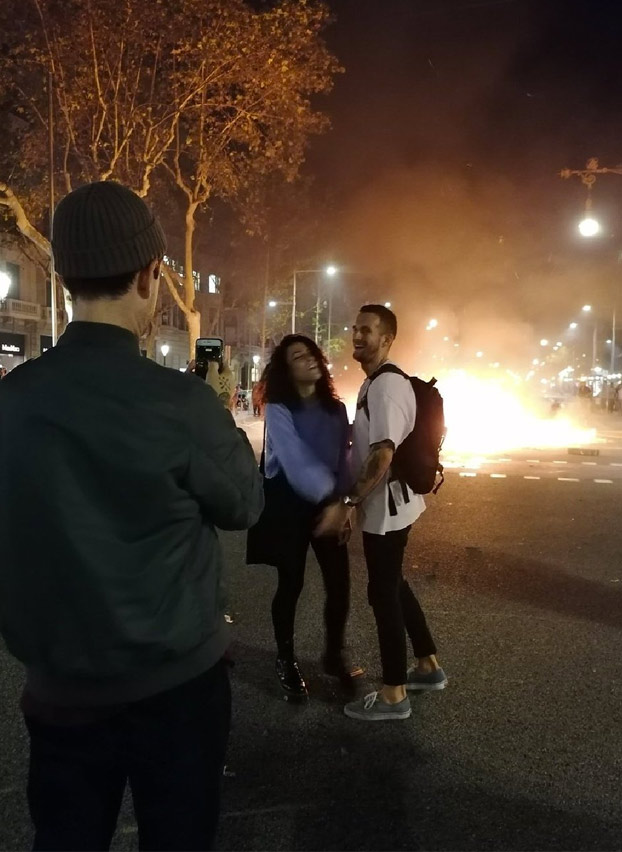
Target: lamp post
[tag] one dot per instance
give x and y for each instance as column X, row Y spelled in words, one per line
column 328, row 270
column 588, row 309
column 590, row 227
column 165, row 349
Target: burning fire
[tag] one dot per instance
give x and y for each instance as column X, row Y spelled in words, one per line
column 485, row 416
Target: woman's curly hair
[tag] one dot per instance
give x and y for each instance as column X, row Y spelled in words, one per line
column 277, row 382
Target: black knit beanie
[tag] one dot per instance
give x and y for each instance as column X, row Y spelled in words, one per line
column 104, row 229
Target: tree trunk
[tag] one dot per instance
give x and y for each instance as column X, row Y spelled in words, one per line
column 192, row 315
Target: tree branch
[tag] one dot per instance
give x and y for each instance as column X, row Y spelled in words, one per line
column 11, row 201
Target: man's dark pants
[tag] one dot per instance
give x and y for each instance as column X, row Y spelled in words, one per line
column 394, row 604
column 171, row 749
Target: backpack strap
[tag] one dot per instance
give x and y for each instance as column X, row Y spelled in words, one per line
column 387, row 368
column 384, row 368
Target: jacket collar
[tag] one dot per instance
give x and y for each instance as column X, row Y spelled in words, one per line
column 100, row 334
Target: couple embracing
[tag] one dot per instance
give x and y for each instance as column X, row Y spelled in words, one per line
column 315, row 484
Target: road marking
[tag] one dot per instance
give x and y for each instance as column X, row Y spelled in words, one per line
column 560, row 462
column 532, row 461
column 616, row 464
column 467, row 473
column 589, row 462
column 498, row 476
column 504, row 460
column 566, row 479
column 531, row 477
column 605, row 481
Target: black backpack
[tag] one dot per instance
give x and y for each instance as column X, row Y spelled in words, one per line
column 416, row 460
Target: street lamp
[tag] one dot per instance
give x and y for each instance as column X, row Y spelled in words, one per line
column 387, row 304
column 589, row 227
column 272, row 303
column 544, row 342
column 433, row 323
column 586, row 308
column 165, row 349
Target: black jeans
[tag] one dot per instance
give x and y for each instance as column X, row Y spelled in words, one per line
column 394, row 604
column 333, row 560
column 171, row 749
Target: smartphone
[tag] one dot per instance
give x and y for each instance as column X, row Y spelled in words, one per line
column 207, row 349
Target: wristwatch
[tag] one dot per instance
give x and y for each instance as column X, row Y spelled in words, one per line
column 350, row 502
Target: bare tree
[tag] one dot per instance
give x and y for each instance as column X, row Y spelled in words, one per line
column 209, row 92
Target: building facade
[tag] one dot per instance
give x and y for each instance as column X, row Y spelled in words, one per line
column 25, row 315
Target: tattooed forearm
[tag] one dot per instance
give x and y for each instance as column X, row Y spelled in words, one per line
column 376, row 465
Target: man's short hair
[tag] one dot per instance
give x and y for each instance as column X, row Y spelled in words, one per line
column 387, row 318
column 90, row 289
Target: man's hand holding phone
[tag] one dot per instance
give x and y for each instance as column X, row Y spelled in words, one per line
column 223, row 383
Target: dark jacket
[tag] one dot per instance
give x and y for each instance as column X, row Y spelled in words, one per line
column 114, row 474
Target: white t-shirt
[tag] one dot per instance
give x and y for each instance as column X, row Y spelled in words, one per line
column 392, row 409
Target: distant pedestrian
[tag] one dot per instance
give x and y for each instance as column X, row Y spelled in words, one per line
column 257, row 397
column 305, row 460
column 387, row 510
column 115, row 474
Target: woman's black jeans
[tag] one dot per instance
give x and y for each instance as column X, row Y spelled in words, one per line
column 333, row 560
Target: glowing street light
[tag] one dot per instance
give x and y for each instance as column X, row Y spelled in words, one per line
column 479, row 354
column 272, row 303
column 331, row 270
column 165, row 349
column 573, row 325
column 433, row 323
column 544, row 342
column 387, row 304
column 586, row 308
column 589, row 227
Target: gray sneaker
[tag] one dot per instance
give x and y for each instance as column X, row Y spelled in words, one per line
column 425, row 682
column 373, row 709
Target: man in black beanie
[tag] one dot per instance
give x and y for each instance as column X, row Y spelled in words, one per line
column 116, row 473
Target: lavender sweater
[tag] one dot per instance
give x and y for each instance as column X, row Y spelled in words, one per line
column 310, row 446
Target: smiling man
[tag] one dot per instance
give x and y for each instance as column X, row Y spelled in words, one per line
column 385, row 415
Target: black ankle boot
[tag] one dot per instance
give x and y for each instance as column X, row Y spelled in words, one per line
column 290, row 677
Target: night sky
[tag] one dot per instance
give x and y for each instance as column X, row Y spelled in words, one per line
column 449, row 128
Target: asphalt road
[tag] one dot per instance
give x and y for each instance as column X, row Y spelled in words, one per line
column 521, row 581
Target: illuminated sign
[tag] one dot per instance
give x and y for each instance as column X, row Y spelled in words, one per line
column 11, row 344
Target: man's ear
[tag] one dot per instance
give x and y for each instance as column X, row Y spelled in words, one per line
column 146, row 277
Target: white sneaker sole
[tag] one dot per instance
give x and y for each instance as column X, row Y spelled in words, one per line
column 426, row 687
column 378, row 717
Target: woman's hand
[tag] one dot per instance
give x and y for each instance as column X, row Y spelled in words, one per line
column 346, row 532
column 334, row 520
